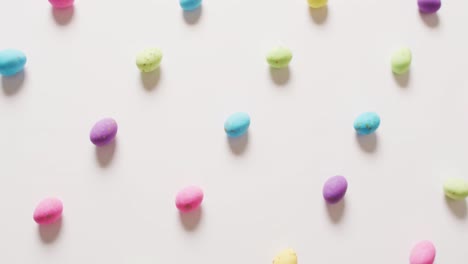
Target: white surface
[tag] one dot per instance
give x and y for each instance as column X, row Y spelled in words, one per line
column 265, row 198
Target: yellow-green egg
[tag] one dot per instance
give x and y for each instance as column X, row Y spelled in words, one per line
column 149, row 59
column 456, row 188
column 279, row 57
column 287, row 256
column 317, row 3
column 401, row 60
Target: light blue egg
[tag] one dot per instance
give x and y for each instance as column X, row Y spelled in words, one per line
column 11, row 62
column 189, row 5
column 237, row 124
column 367, row 123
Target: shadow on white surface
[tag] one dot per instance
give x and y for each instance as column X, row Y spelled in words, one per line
column 368, row 143
column 319, row 15
column 336, row 211
column 402, row 79
column 191, row 220
column 431, row 20
column 50, row 233
column 151, row 79
column 12, row 84
column 458, row 207
column 193, row 17
column 105, row 154
column 280, row 76
column 239, row 145
column 63, row 16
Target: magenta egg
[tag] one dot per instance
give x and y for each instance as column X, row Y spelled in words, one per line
column 423, row 252
column 61, row 3
column 48, row 211
column 189, row 198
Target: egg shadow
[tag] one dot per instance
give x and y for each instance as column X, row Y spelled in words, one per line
column 368, row 143
column 192, row 17
column 458, row 207
column 319, row 15
column 12, row 84
column 151, row 79
column 280, row 76
column 191, row 220
column 238, row 145
column 336, row 211
column 49, row 233
column 431, row 20
column 105, row 154
column 402, row 79
column 63, row 16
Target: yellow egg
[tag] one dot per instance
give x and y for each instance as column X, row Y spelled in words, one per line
column 317, row 3
column 287, row 256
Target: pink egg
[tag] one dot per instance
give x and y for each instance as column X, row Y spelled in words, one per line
column 423, row 252
column 61, row 3
column 189, row 198
column 48, row 211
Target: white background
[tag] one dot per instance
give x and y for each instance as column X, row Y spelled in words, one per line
column 262, row 192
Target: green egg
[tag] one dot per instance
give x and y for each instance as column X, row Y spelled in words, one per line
column 279, row 57
column 401, row 60
column 149, row 59
column 456, row 188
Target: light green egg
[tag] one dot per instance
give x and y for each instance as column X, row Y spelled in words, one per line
column 149, row 59
column 401, row 60
column 279, row 57
column 456, row 188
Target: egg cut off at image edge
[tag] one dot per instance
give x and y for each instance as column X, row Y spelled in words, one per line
column 334, row 189
column 317, row 3
column 456, row 188
column 189, row 198
column 103, row 132
column 149, row 59
column 48, row 211
column 237, row 124
column 423, row 252
column 287, row 256
column 59, row 4
column 367, row 123
column 429, row 6
column 11, row 62
column 190, row 5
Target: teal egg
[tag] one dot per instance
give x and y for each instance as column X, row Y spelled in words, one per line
column 11, row 62
column 189, row 5
column 367, row 123
column 237, row 124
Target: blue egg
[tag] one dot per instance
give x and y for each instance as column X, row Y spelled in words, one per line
column 189, row 5
column 237, row 124
column 367, row 123
column 11, row 62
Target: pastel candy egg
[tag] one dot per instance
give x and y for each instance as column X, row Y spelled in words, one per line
column 334, row 189
column 48, row 211
column 11, row 62
column 279, row 57
column 189, row 5
column 423, row 253
column 429, row 6
column 367, row 123
column 61, row 3
column 189, row 199
column 456, row 188
column 317, row 3
column 149, row 59
column 237, row 124
column 287, row 256
column 401, row 60
column 103, row 132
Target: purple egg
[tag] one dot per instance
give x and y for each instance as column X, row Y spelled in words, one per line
column 429, row 6
column 103, row 132
column 334, row 189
